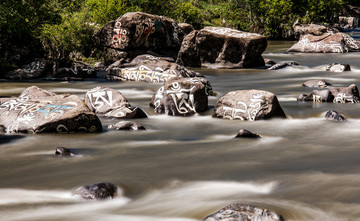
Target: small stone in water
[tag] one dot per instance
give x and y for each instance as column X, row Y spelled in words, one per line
column 62, row 151
column 246, row 134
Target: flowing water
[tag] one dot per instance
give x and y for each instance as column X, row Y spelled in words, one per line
column 179, row 169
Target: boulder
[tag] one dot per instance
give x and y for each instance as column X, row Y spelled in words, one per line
column 62, row 151
column 326, row 43
column 334, row 115
column 283, row 65
column 316, row 83
column 184, row 29
column 150, row 69
column 77, row 71
column 269, row 62
column 98, row 191
column 39, row 111
column 33, row 70
column 182, row 97
column 126, row 125
column 246, row 134
column 248, row 105
column 138, row 32
column 317, row 96
column 219, row 47
column 243, row 212
column 313, row 29
column 335, row 67
column 348, row 22
column 111, row 103
column 336, row 95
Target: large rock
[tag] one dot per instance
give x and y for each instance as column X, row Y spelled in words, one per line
column 248, row 105
column 151, row 69
column 111, row 103
column 33, row 70
column 182, row 97
column 218, row 47
column 98, row 191
column 140, row 31
column 243, row 212
column 39, row 111
column 326, row 43
column 336, row 95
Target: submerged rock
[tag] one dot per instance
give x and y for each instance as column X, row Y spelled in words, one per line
column 243, row 212
column 316, row 83
column 218, row 47
column 279, row 66
column 40, row 111
column 246, row 134
column 99, row 191
column 248, row 105
column 335, row 67
column 126, row 125
column 334, row 115
column 62, row 151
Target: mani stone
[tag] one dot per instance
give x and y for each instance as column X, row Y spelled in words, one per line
column 243, row 212
column 316, row 83
column 326, row 43
column 33, row 70
column 126, row 125
column 335, row 67
column 39, row 111
column 98, row 191
column 218, row 47
column 336, row 95
column 150, row 69
column 62, row 151
column 248, row 105
column 334, row 115
column 111, row 103
column 182, row 97
column 246, row 134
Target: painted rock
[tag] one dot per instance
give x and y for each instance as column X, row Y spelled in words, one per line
column 248, row 105
column 279, row 66
column 336, row 95
column 126, row 125
column 316, row 83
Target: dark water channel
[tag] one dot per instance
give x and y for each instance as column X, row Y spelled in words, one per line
column 304, row 167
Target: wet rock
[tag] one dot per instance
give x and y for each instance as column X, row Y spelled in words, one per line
column 326, row 43
column 140, row 31
column 99, row 191
column 336, row 95
column 246, row 134
column 218, row 47
column 111, row 103
column 269, row 62
column 334, row 115
column 335, row 67
column 126, row 125
column 248, row 105
column 348, row 22
column 150, row 69
column 62, row 151
column 316, row 83
column 279, row 66
column 39, row 111
column 305, row 29
column 8, row 138
column 33, row 70
column 184, row 29
column 78, row 70
column 182, row 97
column 243, row 212
column 317, row 96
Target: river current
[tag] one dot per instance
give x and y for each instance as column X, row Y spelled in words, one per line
column 183, row 169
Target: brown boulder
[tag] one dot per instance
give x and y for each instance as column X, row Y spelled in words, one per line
column 218, row 47
column 316, row 83
column 248, row 105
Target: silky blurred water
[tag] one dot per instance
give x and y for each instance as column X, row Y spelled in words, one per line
column 180, row 169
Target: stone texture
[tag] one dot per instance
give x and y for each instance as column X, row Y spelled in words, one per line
column 335, row 67
column 326, row 43
column 62, row 151
column 99, row 191
column 248, row 105
column 33, row 70
column 246, row 134
column 182, row 97
column 334, row 115
column 218, row 47
column 39, row 111
column 316, row 83
column 126, row 125
column 77, row 71
column 243, row 212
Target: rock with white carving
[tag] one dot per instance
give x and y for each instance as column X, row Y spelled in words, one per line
column 219, row 47
column 313, row 29
column 336, row 95
column 77, row 71
column 35, row 69
column 326, row 43
column 150, row 69
column 111, row 103
column 182, row 97
column 138, row 32
column 243, row 212
column 316, row 83
column 248, row 105
column 39, row 111
column 335, row 67
column 317, row 96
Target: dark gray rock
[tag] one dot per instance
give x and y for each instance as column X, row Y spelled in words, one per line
column 99, row 191
column 335, row 67
column 243, row 212
column 317, row 96
column 218, row 47
column 184, row 29
column 126, row 125
column 62, row 151
column 78, row 70
column 33, row 70
column 248, row 105
column 313, row 29
column 334, row 115
column 182, row 97
column 39, row 111
column 283, row 65
column 246, row 134
column 316, row 83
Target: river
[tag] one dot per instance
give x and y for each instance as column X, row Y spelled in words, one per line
column 183, row 169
